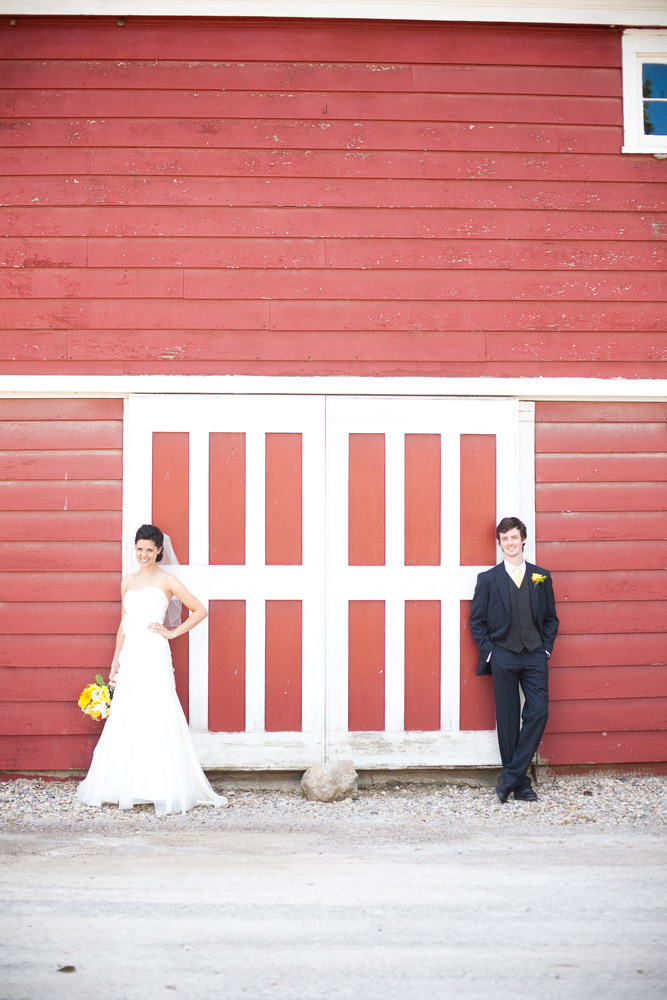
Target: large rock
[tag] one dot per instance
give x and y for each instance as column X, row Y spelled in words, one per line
column 331, row 782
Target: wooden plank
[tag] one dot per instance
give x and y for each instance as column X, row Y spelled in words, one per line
column 279, row 134
column 171, row 489
column 564, row 254
column 184, row 222
column 616, row 714
column 619, row 585
column 186, row 345
column 601, row 496
column 603, row 555
column 345, row 42
column 351, row 253
column 599, row 411
column 43, row 251
column 422, row 500
column 626, row 682
column 283, row 499
column 305, row 283
column 601, row 468
column 19, row 683
column 63, row 495
column 72, row 465
column 344, row 192
column 92, row 653
column 227, row 498
column 49, row 718
column 49, row 586
column 602, row 525
column 557, row 346
column 96, row 526
column 304, row 76
column 283, row 666
column 61, row 618
column 90, row 103
column 226, row 666
column 612, row 616
column 422, row 666
column 110, row 314
column 51, row 161
column 366, row 500
column 602, row 437
column 44, row 435
column 47, row 753
column 167, row 251
column 477, row 704
column 61, row 409
column 458, row 316
column 16, row 345
column 75, row 282
column 602, row 748
column 137, row 74
column 76, row 554
column 522, row 255
column 84, row 132
column 612, row 650
column 374, row 162
column 478, row 499
column 366, row 680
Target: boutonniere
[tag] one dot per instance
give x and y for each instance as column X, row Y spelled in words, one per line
column 538, row 578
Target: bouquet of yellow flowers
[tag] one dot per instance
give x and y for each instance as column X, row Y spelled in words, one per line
column 95, row 699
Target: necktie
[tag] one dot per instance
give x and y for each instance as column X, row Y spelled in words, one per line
column 516, row 573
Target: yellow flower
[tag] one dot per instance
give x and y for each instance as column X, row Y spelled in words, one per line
column 86, row 696
column 538, row 578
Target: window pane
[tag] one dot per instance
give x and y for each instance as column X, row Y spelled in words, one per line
column 654, row 80
column 655, row 117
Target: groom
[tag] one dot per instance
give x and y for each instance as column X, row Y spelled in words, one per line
column 513, row 622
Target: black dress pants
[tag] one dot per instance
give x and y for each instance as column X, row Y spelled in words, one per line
column 519, row 733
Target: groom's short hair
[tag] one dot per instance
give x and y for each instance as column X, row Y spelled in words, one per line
column 507, row 524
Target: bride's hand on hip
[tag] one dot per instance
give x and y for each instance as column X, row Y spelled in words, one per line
column 160, row 629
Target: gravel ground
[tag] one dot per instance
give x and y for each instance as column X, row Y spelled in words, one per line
column 398, row 812
column 408, row 893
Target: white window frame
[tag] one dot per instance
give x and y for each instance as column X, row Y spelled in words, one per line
column 640, row 47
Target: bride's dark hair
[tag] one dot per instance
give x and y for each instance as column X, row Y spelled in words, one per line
column 149, row 533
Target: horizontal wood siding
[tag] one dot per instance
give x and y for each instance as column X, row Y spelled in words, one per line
column 601, row 529
column 288, row 197
column 60, row 561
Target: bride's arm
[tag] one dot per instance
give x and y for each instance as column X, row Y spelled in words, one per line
column 120, row 636
column 197, row 611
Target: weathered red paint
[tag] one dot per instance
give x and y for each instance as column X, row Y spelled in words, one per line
column 150, row 240
column 366, row 500
column 422, row 665
column 283, row 666
column 226, row 666
column 227, row 496
column 422, row 499
column 601, row 530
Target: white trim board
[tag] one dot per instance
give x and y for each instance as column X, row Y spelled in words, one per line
column 520, row 388
column 643, row 13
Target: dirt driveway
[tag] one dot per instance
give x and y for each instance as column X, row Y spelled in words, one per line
column 413, row 894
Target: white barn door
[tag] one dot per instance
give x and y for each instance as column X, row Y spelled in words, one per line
column 335, row 541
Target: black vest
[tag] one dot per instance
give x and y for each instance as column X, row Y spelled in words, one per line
column 522, row 633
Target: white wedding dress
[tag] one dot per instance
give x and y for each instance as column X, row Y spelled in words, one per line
column 145, row 753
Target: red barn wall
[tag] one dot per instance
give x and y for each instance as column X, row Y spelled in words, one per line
column 275, row 196
column 601, row 526
column 60, row 561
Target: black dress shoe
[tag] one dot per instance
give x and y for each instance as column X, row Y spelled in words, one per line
column 503, row 789
column 527, row 794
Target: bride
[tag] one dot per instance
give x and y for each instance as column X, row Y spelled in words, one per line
column 145, row 753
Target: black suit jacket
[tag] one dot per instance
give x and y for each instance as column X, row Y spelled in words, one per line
column 490, row 610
